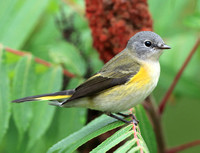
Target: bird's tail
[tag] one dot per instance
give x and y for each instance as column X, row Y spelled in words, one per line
column 52, row 96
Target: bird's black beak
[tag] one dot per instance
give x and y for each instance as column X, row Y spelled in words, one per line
column 163, row 46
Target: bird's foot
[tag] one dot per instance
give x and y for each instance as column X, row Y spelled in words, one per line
column 134, row 120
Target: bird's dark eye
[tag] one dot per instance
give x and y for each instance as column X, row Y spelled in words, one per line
column 147, row 43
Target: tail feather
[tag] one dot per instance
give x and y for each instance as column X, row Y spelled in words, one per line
column 52, row 96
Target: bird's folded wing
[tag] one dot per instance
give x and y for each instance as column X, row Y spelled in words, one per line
column 117, row 71
column 100, row 82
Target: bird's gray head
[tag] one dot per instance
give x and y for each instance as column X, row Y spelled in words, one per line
column 146, row 45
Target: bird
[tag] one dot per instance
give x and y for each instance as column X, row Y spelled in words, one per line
column 122, row 83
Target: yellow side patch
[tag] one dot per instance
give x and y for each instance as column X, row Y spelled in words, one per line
column 141, row 78
column 53, row 97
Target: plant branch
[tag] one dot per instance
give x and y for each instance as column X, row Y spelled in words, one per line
column 177, row 77
column 183, row 147
column 37, row 60
column 135, row 133
column 152, row 112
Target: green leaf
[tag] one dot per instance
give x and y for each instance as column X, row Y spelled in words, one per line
column 4, row 96
column 126, row 146
column 18, row 20
column 134, row 149
column 23, row 85
column 43, row 113
column 198, row 6
column 40, row 41
column 98, row 126
column 74, row 82
column 171, row 62
column 193, row 21
column 172, row 12
column 69, row 55
column 114, row 139
column 142, row 142
column 76, row 117
column 146, row 128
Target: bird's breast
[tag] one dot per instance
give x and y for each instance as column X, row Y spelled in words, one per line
column 147, row 76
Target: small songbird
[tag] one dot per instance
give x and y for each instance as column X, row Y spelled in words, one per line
column 123, row 82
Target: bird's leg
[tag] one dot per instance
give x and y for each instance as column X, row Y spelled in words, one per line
column 135, row 121
column 118, row 118
column 125, row 115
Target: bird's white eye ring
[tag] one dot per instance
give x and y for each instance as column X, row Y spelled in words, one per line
column 147, row 43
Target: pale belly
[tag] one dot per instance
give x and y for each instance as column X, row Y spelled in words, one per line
column 119, row 100
column 122, row 97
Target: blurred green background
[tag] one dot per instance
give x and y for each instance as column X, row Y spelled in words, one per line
column 35, row 26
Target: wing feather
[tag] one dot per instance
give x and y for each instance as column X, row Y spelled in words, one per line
column 108, row 77
column 96, row 85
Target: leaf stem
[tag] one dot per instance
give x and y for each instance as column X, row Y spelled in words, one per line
column 37, row 60
column 135, row 134
column 177, row 77
column 152, row 112
column 183, row 147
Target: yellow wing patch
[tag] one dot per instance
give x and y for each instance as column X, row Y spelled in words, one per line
column 141, row 79
column 92, row 77
column 53, row 97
